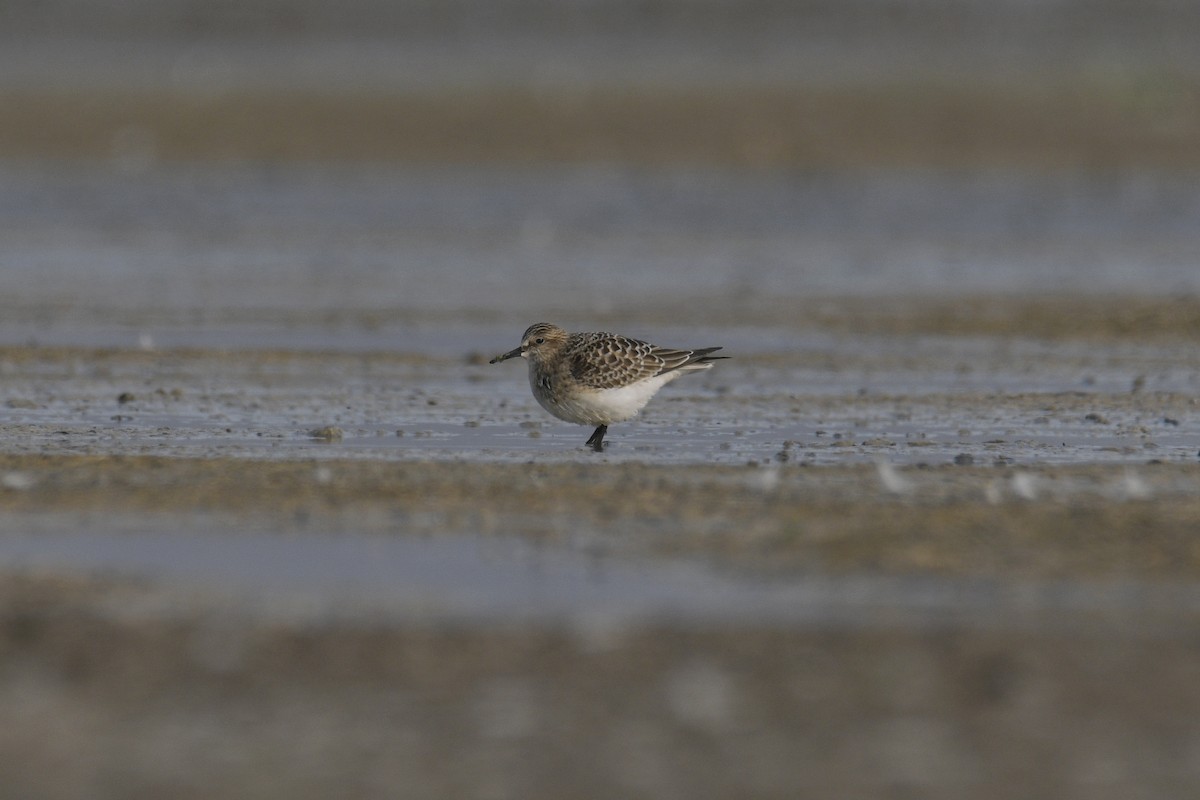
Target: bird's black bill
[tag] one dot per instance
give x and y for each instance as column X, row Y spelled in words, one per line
column 506, row 356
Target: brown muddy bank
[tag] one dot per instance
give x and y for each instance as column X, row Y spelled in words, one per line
column 1093, row 126
column 205, row 705
column 1076, row 680
column 1089, row 522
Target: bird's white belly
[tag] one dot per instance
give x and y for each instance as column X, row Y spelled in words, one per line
column 601, row 406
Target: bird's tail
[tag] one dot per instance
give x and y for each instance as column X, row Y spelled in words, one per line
column 688, row 359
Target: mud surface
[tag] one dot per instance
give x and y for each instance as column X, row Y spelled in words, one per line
column 271, row 526
column 394, row 563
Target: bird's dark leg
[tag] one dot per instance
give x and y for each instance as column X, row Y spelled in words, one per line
column 596, row 442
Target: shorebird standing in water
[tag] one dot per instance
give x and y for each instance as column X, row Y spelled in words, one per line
column 599, row 378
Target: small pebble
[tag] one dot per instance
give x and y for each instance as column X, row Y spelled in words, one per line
column 1024, row 485
column 964, row 459
column 330, row 433
column 126, row 397
column 17, row 481
column 891, row 479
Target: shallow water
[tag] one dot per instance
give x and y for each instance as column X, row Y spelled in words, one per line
column 306, row 578
column 189, row 247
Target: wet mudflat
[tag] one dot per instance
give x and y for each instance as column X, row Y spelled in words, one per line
column 889, row 556
column 271, row 526
column 261, row 494
column 877, row 548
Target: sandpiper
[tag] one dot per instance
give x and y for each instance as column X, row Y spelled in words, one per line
column 599, row 378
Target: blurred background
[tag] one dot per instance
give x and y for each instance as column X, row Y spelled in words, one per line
column 278, row 240
column 172, row 164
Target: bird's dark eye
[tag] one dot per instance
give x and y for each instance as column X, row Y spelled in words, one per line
column 539, row 340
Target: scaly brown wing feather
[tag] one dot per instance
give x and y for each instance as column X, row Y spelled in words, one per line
column 609, row 361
